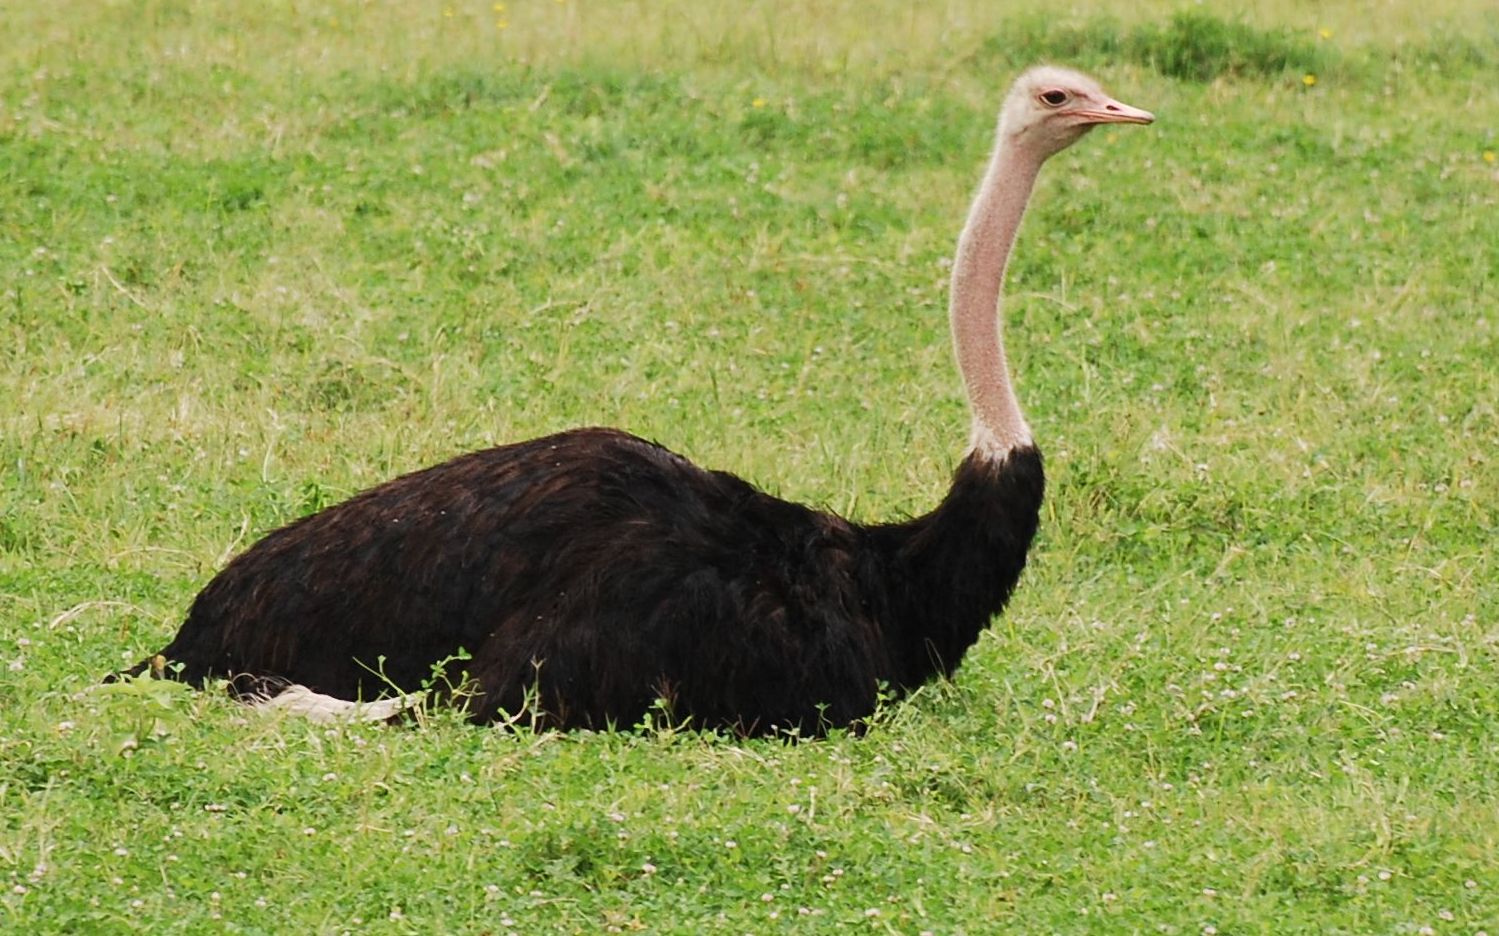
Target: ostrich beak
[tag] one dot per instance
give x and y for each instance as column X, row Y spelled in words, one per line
column 1112, row 111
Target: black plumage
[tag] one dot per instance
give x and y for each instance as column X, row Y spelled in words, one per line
column 590, row 573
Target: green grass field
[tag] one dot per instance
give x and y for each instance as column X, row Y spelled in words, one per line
column 256, row 257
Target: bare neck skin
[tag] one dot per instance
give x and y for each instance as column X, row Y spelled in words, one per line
column 977, row 279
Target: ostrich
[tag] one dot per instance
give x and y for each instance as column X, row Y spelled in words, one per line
column 583, row 578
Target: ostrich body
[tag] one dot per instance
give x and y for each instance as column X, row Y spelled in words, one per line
column 588, row 574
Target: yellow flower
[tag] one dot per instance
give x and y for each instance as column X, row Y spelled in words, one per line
column 448, row 12
column 1325, row 33
column 499, row 7
column 1309, row 79
column 758, row 102
column 501, row 24
column 1488, row 156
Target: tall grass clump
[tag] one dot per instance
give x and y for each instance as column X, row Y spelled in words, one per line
column 1198, row 46
column 1191, row 45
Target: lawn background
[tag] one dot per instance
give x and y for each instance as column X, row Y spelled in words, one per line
column 256, row 257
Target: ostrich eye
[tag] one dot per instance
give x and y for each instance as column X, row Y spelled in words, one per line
column 1054, row 98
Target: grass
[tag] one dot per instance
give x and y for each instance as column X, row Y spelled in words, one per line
column 258, row 257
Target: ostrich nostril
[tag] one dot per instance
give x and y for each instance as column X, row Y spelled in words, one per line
column 1112, row 107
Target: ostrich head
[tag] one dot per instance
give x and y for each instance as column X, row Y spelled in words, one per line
column 1049, row 108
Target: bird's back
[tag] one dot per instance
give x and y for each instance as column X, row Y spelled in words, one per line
column 590, row 566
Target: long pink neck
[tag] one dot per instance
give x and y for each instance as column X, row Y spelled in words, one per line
column 977, row 280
